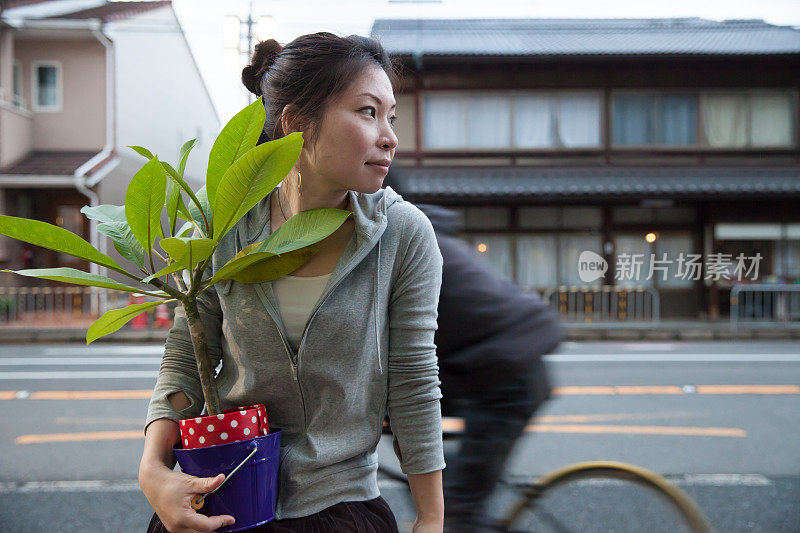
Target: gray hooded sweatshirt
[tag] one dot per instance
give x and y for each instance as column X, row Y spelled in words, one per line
column 366, row 347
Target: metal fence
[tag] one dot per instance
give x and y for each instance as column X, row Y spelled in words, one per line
column 606, row 303
column 759, row 303
column 62, row 306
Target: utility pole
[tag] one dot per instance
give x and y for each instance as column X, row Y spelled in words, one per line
column 250, row 43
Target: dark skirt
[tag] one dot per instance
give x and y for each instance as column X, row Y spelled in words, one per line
column 371, row 516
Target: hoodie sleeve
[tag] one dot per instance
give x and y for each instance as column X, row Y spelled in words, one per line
column 413, row 397
column 178, row 370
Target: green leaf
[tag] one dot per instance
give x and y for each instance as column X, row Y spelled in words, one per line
column 105, row 212
column 202, row 199
column 251, row 178
column 188, row 251
column 175, row 207
column 238, row 136
column 54, row 238
column 77, row 277
column 112, row 320
column 259, row 267
column 144, row 152
column 169, row 269
column 144, row 201
column 303, row 229
column 184, row 154
column 124, row 241
column 184, row 229
column 197, row 200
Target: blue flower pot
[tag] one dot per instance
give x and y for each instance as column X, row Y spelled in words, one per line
column 249, row 496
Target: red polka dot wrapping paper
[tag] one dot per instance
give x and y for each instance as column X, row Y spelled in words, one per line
column 232, row 425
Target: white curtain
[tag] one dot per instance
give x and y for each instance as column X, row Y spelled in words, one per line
column 537, row 261
column 724, row 119
column 673, row 246
column 579, row 120
column 570, row 248
column 787, row 259
column 771, row 120
column 489, row 122
column 634, row 119
column 445, row 119
column 677, row 119
column 497, row 256
column 638, row 251
column 533, row 122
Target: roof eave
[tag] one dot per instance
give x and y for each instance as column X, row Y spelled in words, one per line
column 54, row 24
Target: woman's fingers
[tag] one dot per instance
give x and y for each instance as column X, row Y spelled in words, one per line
column 198, row 522
column 204, row 485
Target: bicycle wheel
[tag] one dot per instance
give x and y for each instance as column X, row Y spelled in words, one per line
column 604, row 496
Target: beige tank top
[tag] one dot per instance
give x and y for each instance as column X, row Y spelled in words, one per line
column 296, row 297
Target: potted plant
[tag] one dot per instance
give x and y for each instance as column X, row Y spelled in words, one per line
column 240, row 174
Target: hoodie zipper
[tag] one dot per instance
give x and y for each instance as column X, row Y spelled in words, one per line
column 350, row 268
column 293, row 365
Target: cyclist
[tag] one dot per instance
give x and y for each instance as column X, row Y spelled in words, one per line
column 490, row 341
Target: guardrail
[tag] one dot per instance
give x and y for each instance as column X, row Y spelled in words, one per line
column 54, row 307
column 760, row 303
column 606, row 303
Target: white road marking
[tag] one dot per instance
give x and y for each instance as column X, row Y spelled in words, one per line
column 132, row 485
column 675, row 358
column 70, row 486
column 103, row 349
column 655, row 346
column 119, row 374
column 55, row 361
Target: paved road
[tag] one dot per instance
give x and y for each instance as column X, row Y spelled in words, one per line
column 720, row 419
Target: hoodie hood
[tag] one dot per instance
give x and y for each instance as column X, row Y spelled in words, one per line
column 369, row 212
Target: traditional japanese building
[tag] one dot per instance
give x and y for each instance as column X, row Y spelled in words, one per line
column 628, row 138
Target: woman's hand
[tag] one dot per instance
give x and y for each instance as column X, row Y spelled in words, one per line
column 170, row 493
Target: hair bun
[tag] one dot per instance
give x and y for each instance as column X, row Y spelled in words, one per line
column 266, row 53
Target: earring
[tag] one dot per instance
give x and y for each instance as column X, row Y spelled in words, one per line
column 299, row 183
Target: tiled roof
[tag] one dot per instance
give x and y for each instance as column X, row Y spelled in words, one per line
column 114, row 10
column 566, row 37
column 572, row 182
column 50, row 163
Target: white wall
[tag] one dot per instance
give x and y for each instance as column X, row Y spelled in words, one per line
column 161, row 99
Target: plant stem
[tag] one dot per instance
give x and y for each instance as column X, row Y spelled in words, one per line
column 178, row 295
column 204, row 366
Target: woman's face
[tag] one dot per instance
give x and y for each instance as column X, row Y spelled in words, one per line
column 356, row 129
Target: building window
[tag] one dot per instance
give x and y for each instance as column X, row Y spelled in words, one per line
column 754, row 119
column 718, row 119
column 47, row 86
column 17, row 85
column 512, row 120
column 670, row 270
column 495, row 251
column 485, row 218
column 578, row 217
column 557, row 121
column 655, row 119
column 551, row 260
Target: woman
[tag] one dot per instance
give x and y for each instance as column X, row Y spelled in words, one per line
column 345, row 337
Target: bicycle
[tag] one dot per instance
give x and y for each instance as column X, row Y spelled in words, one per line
column 530, row 510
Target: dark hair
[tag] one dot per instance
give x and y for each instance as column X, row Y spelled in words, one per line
column 307, row 72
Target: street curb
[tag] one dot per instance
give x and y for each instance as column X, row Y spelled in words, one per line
column 696, row 332
column 25, row 336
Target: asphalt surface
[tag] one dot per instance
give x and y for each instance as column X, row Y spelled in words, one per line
column 70, row 464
